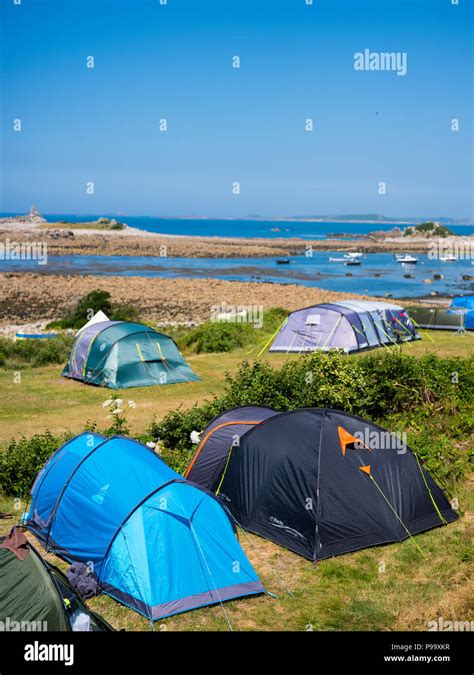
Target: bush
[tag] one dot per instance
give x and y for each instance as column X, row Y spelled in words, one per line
column 441, row 441
column 374, row 387
column 430, row 229
column 225, row 336
column 217, row 337
column 23, row 459
column 15, row 355
column 92, row 303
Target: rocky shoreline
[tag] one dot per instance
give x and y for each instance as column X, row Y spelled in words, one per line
column 36, row 298
column 65, row 241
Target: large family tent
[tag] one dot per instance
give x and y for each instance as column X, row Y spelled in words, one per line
column 436, row 318
column 36, row 596
column 119, row 354
column 221, row 433
column 322, row 482
column 158, row 543
column 464, row 305
column 350, row 325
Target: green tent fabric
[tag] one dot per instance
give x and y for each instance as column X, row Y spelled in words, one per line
column 36, row 596
column 119, row 354
column 28, row 597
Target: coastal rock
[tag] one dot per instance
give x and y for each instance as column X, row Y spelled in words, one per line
column 44, row 297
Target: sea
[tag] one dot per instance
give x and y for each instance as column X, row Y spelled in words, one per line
column 378, row 275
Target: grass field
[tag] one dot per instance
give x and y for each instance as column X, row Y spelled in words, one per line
column 44, row 400
column 385, row 588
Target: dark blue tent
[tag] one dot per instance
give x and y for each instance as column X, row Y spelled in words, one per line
column 155, row 541
column 221, row 434
column 323, row 482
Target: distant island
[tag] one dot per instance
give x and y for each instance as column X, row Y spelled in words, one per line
column 368, row 218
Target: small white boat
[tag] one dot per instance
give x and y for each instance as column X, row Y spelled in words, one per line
column 447, row 258
column 341, row 260
column 352, row 255
column 406, row 259
column 352, row 261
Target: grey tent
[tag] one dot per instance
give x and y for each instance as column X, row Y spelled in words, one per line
column 351, row 325
column 437, row 318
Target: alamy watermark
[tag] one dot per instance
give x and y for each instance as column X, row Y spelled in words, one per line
column 441, row 624
column 225, row 312
column 373, row 439
column 381, row 61
column 9, row 625
column 24, row 250
column 461, row 249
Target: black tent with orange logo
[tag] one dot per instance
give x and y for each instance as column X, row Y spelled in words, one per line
column 322, row 482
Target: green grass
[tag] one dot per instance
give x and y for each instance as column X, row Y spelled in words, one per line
column 344, row 593
column 94, row 225
column 44, row 400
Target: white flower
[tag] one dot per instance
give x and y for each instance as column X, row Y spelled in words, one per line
column 118, row 402
column 132, row 404
column 195, row 437
column 151, row 445
column 117, row 411
column 106, row 403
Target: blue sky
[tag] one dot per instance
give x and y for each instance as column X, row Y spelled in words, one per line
column 225, row 124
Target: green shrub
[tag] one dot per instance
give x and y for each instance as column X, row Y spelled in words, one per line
column 23, row 459
column 225, row 336
column 374, row 387
column 16, row 355
column 92, row 303
column 441, row 441
column 217, row 337
column 174, row 430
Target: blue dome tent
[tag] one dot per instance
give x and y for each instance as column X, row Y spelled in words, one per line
column 156, row 542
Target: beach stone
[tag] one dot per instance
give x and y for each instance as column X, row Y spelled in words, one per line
column 437, row 277
column 427, row 281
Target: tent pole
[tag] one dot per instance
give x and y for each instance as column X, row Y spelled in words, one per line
column 318, row 503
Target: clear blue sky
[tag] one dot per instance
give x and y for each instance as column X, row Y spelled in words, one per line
column 245, row 125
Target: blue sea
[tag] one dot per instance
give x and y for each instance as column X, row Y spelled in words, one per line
column 378, row 275
column 246, row 228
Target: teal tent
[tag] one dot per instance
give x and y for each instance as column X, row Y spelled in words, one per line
column 119, row 354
